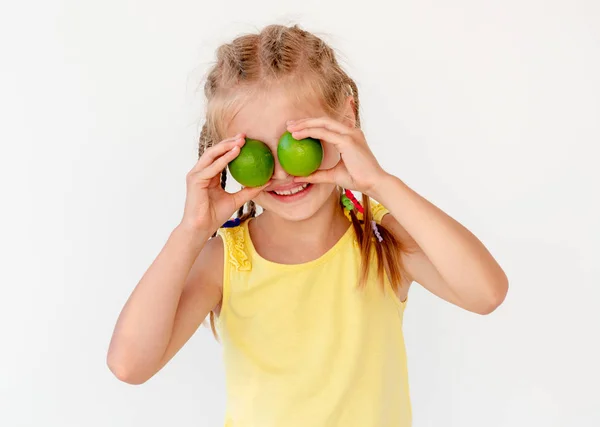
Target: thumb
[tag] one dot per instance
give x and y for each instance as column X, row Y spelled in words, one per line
column 246, row 194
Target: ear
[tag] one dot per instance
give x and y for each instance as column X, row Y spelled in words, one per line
column 348, row 112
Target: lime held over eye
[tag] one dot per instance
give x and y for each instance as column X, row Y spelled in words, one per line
column 299, row 157
column 254, row 165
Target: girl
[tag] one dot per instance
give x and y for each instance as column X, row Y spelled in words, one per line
column 307, row 297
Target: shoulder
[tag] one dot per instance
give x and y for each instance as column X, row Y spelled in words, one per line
column 378, row 211
column 213, row 250
column 209, row 263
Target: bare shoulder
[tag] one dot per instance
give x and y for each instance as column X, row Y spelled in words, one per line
column 409, row 257
column 208, row 267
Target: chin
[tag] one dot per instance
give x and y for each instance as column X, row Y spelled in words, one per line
column 296, row 204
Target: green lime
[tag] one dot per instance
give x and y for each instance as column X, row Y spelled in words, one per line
column 299, row 157
column 254, row 165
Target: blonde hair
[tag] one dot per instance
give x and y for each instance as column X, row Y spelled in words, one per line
column 290, row 55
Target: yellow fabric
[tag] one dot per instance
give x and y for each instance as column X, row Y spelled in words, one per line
column 377, row 211
column 303, row 346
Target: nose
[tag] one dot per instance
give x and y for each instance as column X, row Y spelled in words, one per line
column 279, row 174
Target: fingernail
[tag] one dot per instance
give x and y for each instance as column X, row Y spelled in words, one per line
column 291, row 122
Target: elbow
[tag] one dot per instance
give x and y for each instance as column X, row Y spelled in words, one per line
column 125, row 372
column 126, row 376
column 494, row 297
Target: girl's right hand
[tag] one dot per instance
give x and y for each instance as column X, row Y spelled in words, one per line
column 207, row 205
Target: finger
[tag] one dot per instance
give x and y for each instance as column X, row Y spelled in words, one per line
column 216, row 151
column 247, row 193
column 219, row 164
column 318, row 177
column 325, row 122
column 323, row 134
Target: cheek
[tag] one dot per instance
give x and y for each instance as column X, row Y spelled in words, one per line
column 261, row 199
column 331, row 157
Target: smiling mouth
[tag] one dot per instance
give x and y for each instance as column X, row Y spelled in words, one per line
column 291, row 191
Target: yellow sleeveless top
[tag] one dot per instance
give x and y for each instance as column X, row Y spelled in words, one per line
column 303, row 346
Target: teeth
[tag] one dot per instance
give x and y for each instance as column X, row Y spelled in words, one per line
column 292, row 191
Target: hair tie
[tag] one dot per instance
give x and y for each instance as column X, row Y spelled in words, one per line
column 376, row 231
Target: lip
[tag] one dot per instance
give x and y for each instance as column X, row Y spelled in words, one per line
column 293, row 197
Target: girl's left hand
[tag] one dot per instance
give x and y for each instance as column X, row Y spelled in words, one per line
column 358, row 168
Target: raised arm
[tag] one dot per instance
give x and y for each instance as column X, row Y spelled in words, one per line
column 184, row 282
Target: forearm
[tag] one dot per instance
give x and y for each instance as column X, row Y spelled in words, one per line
column 145, row 324
column 466, row 266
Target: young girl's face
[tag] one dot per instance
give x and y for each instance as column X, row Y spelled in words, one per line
column 264, row 118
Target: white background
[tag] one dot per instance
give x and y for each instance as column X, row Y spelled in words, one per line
column 489, row 109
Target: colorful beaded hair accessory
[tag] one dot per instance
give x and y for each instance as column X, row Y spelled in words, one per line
column 350, row 203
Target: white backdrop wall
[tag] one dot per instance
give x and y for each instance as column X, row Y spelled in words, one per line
column 489, row 109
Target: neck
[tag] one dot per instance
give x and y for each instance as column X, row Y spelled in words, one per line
column 326, row 224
